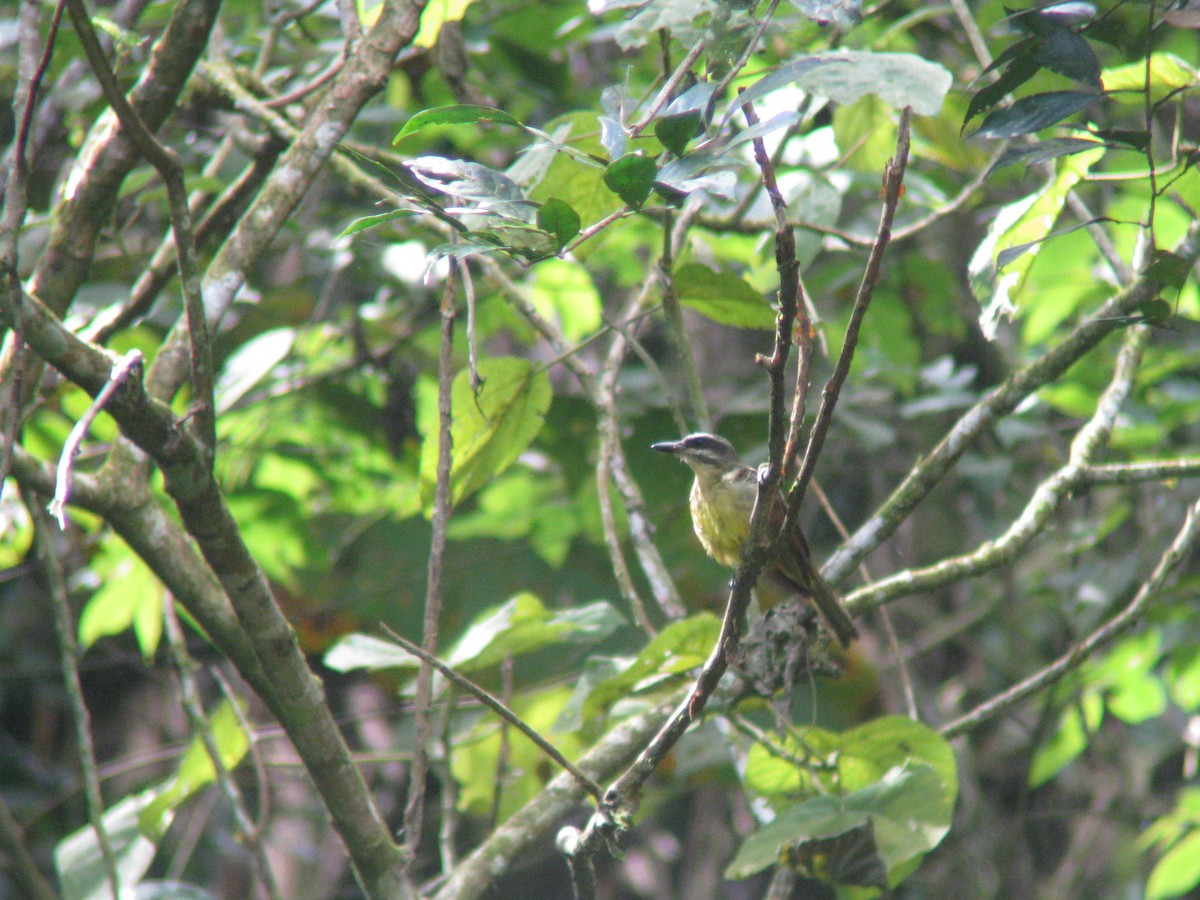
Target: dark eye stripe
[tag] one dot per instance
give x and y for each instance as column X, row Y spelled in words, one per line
column 704, row 442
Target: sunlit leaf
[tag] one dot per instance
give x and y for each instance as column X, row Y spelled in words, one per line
column 490, row 428
column 436, row 14
column 130, row 595
column 1071, row 737
column 1167, row 73
column 1026, row 222
column 1178, row 872
column 722, row 297
column 453, row 115
column 899, row 79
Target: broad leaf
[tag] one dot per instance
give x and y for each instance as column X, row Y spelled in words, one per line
column 490, row 428
column 1025, row 222
column 1033, row 113
column 908, row 807
column 722, row 297
column 631, row 178
column 465, row 114
column 899, row 79
column 559, row 219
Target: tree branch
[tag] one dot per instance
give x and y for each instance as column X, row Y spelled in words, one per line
column 1047, row 498
column 998, row 402
column 1185, row 541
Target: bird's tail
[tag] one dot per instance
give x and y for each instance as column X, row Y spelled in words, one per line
column 832, row 610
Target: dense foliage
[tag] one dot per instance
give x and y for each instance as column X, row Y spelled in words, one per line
column 447, row 271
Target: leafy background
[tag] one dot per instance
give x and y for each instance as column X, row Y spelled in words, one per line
column 612, row 271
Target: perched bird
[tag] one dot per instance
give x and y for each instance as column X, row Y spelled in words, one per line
column 722, row 501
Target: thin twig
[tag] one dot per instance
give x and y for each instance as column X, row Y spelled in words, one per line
column 167, row 164
column 62, row 488
column 906, row 682
column 723, row 85
column 893, row 182
column 21, row 866
column 504, row 752
column 68, row 652
column 668, row 89
column 999, row 401
column 1048, row 496
column 262, row 782
column 414, row 808
column 1183, row 544
column 677, row 332
column 493, row 703
column 612, row 540
column 189, row 693
column 448, row 832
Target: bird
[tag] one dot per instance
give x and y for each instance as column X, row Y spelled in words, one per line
column 722, row 500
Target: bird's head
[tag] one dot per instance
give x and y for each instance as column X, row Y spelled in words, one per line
column 702, row 452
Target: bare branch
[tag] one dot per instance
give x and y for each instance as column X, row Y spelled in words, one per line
column 1184, row 543
column 494, row 704
column 998, row 402
column 189, row 692
column 68, row 653
column 423, row 733
column 1045, row 500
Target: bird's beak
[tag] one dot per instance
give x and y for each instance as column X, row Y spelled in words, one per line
column 666, row 446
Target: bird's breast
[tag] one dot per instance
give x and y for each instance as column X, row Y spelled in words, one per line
column 720, row 522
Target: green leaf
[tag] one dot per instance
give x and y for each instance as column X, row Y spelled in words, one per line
column 1178, row 872
column 523, row 505
column 631, row 178
column 675, row 132
column 1169, row 268
column 464, row 114
column 578, row 184
column 898, row 79
column 679, row 647
column 1063, row 51
column 1021, row 70
column 489, row 429
column 722, row 297
column 866, row 131
column 1044, row 151
column 1183, row 677
column 1033, row 113
column 560, row 219
column 196, row 769
column 1026, row 222
column 436, row 15
column 1075, row 727
column 564, row 293
column 1167, row 73
column 907, row 806
column 80, row 864
column 522, row 624
column 365, row 223
column 363, row 651
column 129, row 595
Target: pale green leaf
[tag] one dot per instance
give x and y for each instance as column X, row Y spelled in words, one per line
column 489, row 429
